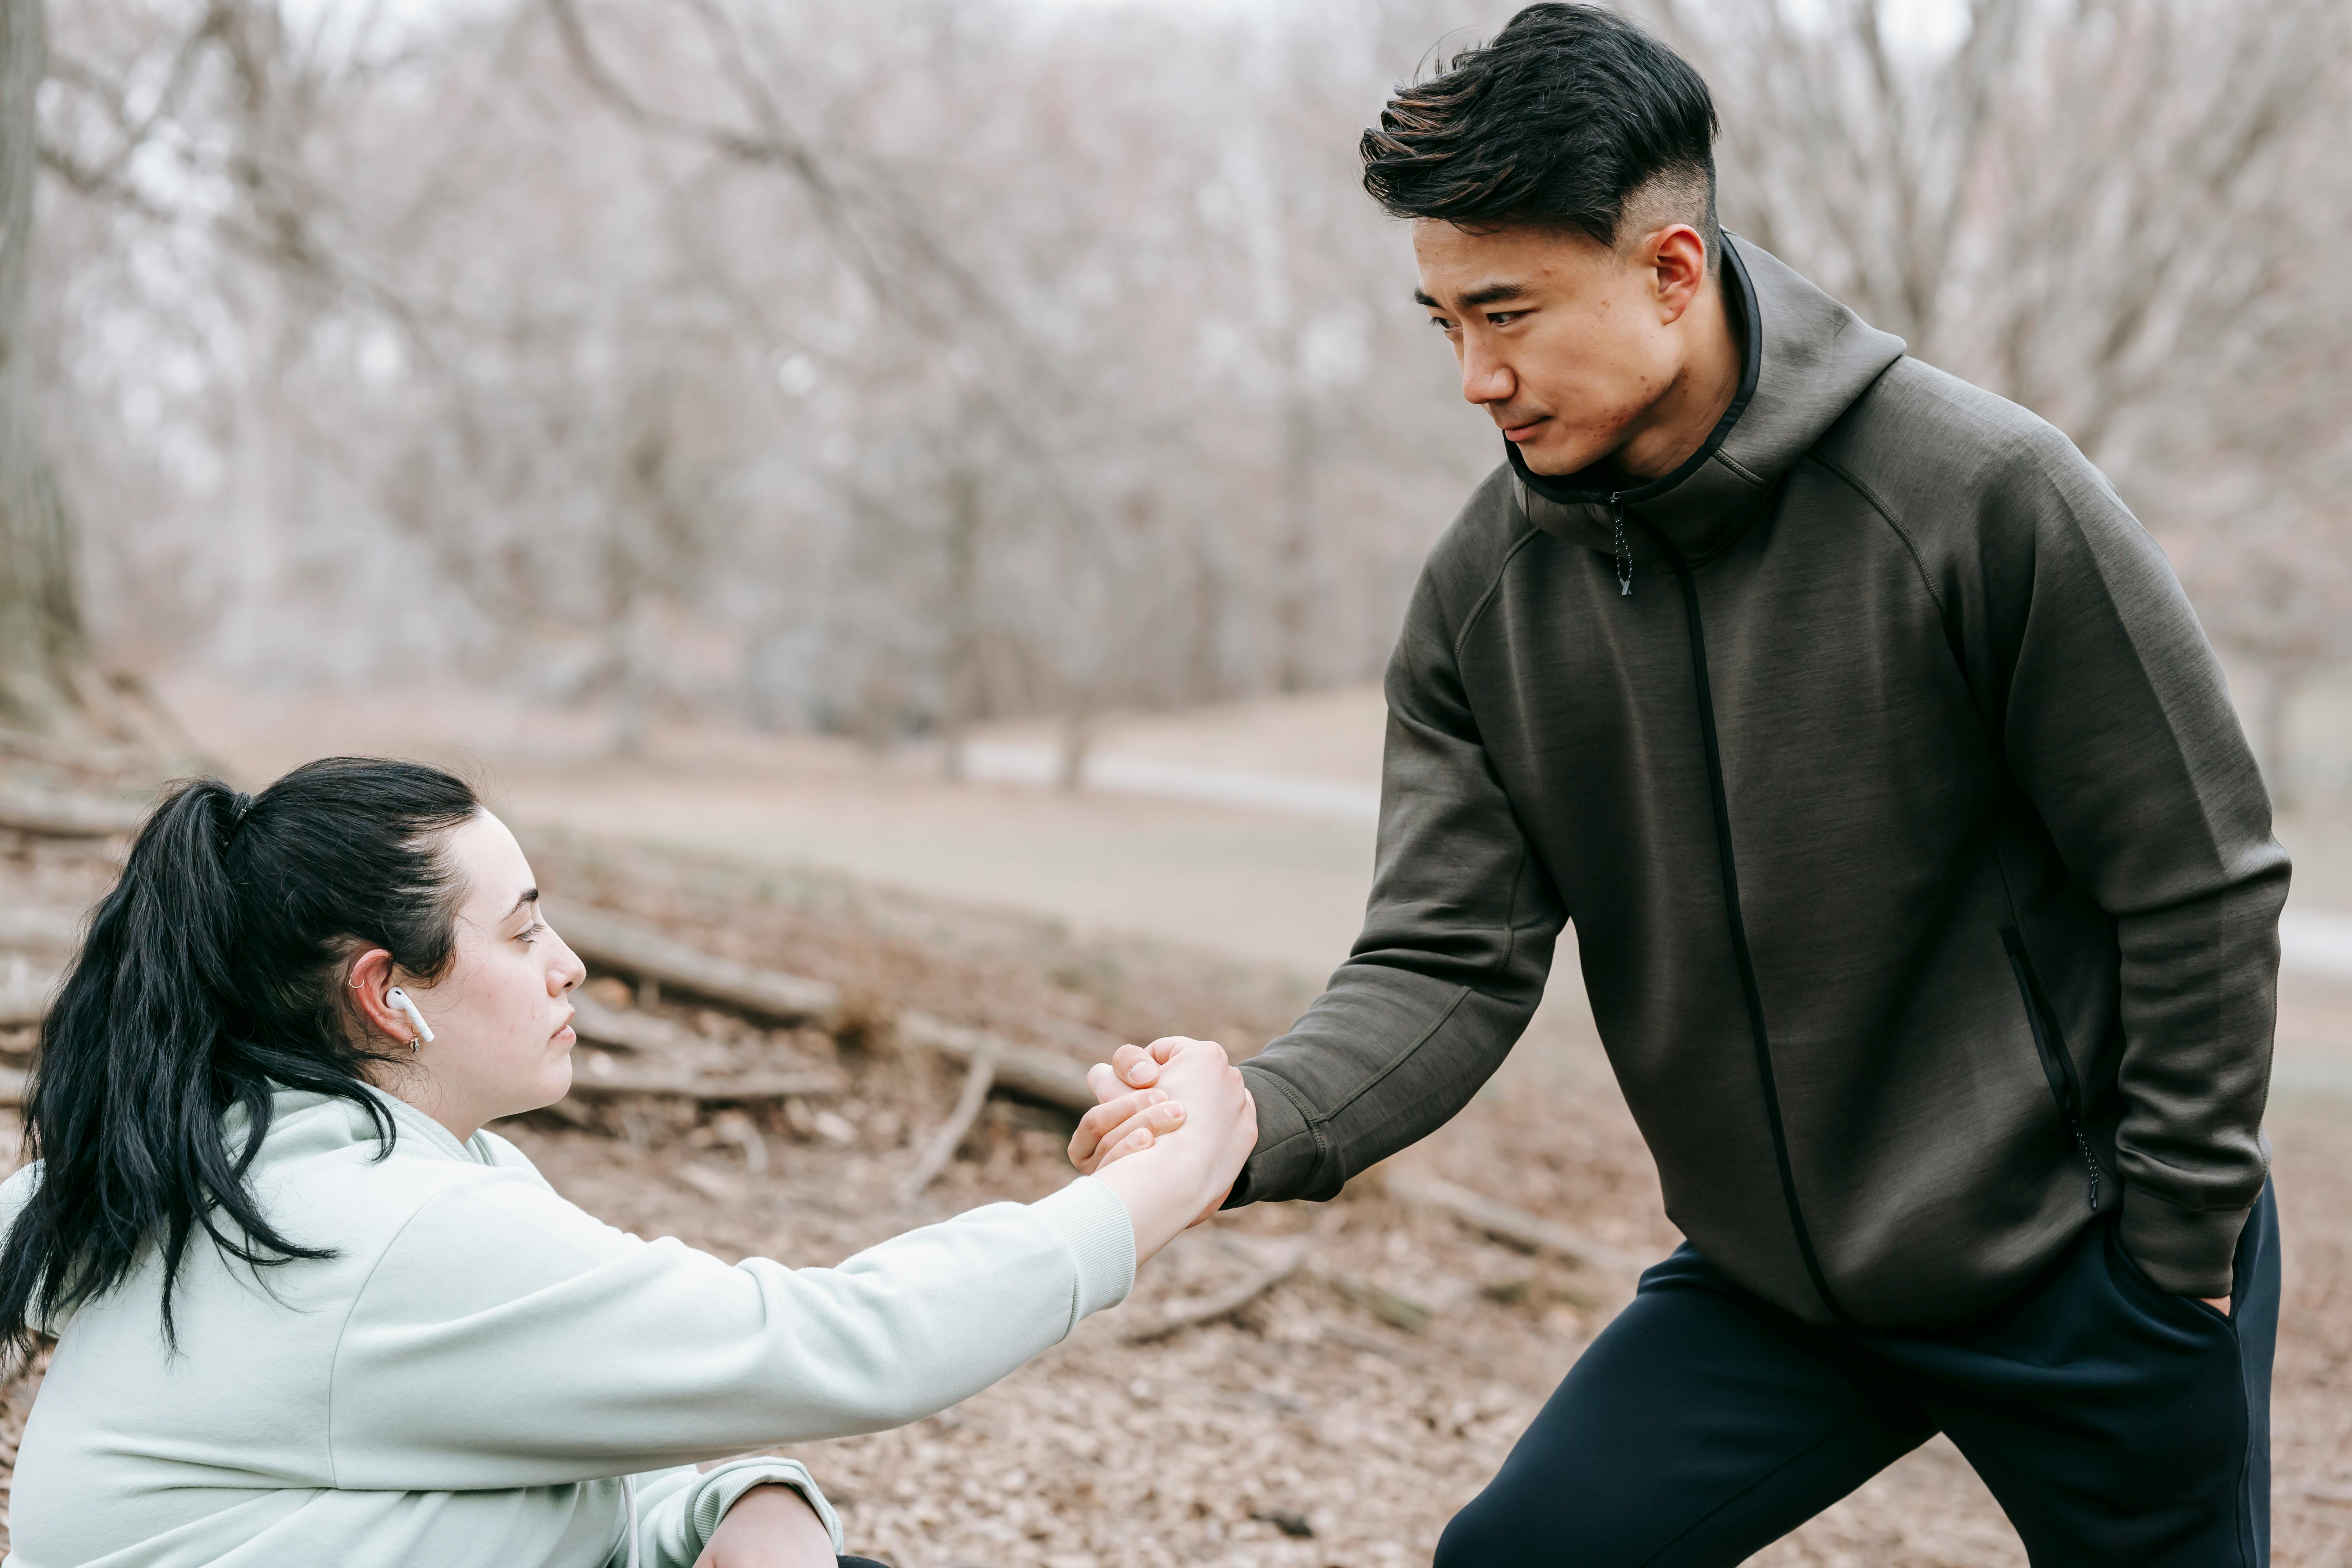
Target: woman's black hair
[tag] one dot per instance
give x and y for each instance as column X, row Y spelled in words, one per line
column 212, row 976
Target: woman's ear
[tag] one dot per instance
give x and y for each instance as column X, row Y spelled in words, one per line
column 371, row 979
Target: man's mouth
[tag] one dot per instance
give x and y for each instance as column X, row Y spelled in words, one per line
column 1527, row 431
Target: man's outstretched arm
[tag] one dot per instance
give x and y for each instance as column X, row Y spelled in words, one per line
column 1456, row 947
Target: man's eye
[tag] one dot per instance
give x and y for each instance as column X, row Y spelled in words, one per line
column 1503, row 317
column 1441, row 324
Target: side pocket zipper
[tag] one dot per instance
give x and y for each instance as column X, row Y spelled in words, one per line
column 2051, row 1046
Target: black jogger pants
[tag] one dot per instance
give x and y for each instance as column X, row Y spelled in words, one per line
column 2116, row 1423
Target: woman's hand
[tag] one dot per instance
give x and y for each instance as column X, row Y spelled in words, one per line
column 769, row 1527
column 1184, row 1176
column 1133, row 1112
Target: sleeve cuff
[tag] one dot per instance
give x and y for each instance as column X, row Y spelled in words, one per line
column 716, row 1492
column 1283, row 1165
column 1094, row 1224
column 2190, row 1252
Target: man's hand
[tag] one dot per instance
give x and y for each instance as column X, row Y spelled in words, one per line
column 1133, row 1113
column 769, row 1527
column 2219, row 1304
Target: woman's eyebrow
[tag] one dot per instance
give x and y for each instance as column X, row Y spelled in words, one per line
column 529, row 896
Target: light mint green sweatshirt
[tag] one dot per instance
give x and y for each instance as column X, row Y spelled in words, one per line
column 483, row 1376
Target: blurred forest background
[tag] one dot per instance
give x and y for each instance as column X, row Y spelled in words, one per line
column 885, row 369
column 765, row 440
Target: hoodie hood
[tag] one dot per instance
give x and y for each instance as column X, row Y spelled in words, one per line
column 1806, row 359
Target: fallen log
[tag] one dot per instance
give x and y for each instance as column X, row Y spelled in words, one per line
column 1045, row 1076
column 28, row 928
column 943, row 1146
column 1189, row 1313
column 608, row 941
column 1382, row 1302
column 748, row 1089
column 24, row 996
column 1505, row 1223
column 602, row 1026
column 69, row 815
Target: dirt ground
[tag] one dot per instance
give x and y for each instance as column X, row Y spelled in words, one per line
column 1340, row 1419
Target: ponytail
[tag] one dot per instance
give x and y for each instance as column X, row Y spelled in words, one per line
column 211, row 978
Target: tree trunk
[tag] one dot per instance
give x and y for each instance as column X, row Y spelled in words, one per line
column 2276, row 748
column 44, row 664
column 959, row 686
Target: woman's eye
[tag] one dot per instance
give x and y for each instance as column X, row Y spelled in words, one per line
column 528, row 932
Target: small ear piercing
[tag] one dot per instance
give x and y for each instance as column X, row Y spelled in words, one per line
column 396, row 997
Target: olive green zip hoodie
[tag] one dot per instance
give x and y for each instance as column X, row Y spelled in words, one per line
column 1923, row 881
column 478, row 1375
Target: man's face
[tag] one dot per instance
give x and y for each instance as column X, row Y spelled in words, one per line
column 1564, row 342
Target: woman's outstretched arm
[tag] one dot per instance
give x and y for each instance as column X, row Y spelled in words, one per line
column 507, row 1339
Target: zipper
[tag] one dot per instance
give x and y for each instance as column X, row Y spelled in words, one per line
column 2057, row 1062
column 1624, row 556
column 1741, row 957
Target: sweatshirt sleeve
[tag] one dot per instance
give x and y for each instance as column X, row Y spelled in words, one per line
column 507, row 1339
column 1456, row 945
column 2115, row 722
column 677, row 1509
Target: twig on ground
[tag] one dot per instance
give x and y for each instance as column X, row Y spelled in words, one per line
column 68, row 815
column 746, row 1089
column 609, row 941
column 1386, row 1305
column 1180, row 1315
column 1500, row 1220
column 24, row 994
column 941, row 1149
column 1040, row 1075
column 644, row 1032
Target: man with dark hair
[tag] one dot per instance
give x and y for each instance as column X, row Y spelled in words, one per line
column 1924, row 884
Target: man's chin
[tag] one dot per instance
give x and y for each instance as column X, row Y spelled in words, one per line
column 1555, row 455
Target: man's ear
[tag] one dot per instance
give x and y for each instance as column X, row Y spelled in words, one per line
column 370, row 979
column 1677, row 258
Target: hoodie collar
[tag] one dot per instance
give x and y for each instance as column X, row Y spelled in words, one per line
column 1804, row 360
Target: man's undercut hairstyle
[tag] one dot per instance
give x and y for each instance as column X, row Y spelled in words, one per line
column 1571, row 119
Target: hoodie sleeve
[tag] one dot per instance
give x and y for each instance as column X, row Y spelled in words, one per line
column 2115, row 721
column 1456, row 945
column 507, row 1339
column 678, row 1509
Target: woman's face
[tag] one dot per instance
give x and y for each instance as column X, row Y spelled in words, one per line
column 502, row 1015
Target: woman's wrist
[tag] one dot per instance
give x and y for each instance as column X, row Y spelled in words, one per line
column 1160, row 1203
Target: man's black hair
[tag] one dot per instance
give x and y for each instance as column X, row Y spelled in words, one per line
column 1567, row 115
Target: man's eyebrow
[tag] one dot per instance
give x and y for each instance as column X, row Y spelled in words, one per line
column 529, row 896
column 1492, row 294
column 1495, row 294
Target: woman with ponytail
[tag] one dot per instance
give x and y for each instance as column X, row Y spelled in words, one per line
column 310, row 1311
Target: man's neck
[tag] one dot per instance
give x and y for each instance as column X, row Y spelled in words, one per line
column 1686, row 414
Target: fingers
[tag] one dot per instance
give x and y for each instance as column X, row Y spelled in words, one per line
column 1116, row 1116
column 1135, row 1065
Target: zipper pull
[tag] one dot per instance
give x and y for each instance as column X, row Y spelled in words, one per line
column 1624, row 551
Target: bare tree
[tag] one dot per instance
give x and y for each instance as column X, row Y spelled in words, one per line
column 45, row 672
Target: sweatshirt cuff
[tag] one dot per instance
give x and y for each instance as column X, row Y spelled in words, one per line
column 1283, row 1165
column 2190, row 1252
column 1094, row 1224
column 720, row 1487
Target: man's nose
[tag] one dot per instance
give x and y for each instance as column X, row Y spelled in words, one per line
column 1485, row 378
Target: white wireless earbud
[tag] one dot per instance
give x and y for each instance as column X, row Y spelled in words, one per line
column 398, row 998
